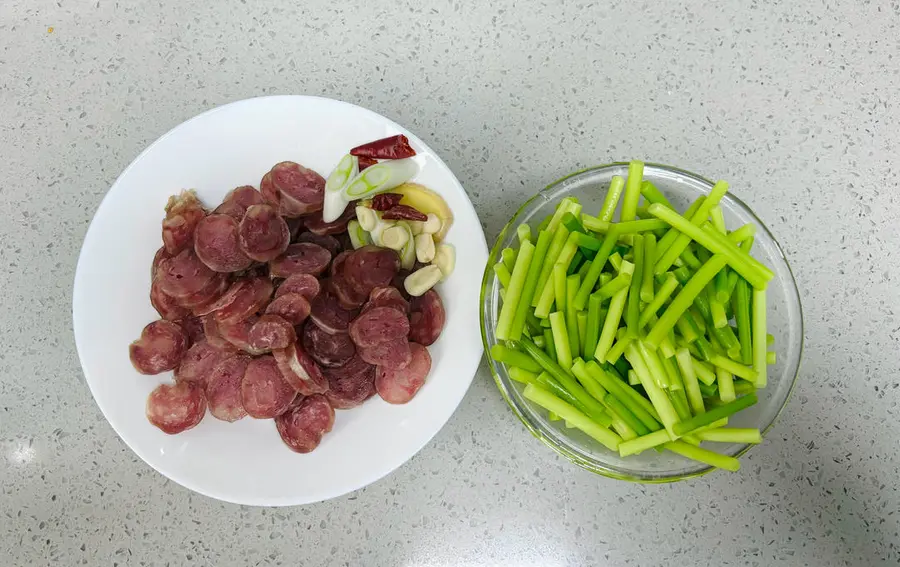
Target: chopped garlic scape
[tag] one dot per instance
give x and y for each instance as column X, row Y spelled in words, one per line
column 358, row 236
column 381, row 177
column 335, row 202
column 395, row 237
column 367, row 218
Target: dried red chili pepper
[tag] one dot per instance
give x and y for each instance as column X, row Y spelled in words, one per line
column 365, row 162
column 386, row 201
column 404, row 212
column 392, row 147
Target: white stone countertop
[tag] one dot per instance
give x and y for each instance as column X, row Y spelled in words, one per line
column 795, row 103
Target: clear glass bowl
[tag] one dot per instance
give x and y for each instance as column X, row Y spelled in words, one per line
column 785, row 322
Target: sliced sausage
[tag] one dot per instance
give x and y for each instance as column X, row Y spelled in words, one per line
column 238, row 200
column 302, row 427
column 183, row 212
column 315, row 223
column 193, row 328
column 326, row 241
column 264, row 391
column 212, row 334
column 160, row 348
column 249, row 299
column 386, row 297
column 174, row 408
column 271, row 332
column 304, row 284
column 426, row 319
column 262, row 233
column 166, row 305
column 216, row 244
column 292, row 307
column 351, row 384
column 345, row 292
column 300, row 370
column 328, row 350
column 371, row 267
column 199, row 361
column 160, row 255
column 399, row 385
column 269, row 192
column 300, row 186
column 379, row 325
column 337, row 265
column 390, row 354
column 237, row 334
column 183, row 275
column 223, row 388
column 328, row 314
column 210, row 293
column 300, row 258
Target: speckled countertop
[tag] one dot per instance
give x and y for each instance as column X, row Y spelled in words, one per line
column 795, row 103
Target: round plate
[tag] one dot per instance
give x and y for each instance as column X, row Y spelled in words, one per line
column 246, row 462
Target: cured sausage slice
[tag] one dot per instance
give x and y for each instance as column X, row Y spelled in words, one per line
column 160, row 348
column 302, row 427
column 379, row 325
column 166, row 305
column 193, row 328
column 327, row 349
column 238, row 200
column 426, row 320
column 223, row 388
column 345, row 293
column 269, row 192
column 327, row 242
column 249, row 299
column 160, row 255
column 371, row 267
column 386, row 297
column 216, row 244
column 199, row 361
column 210, row 293
column 300, row 258
column 183, row 212
column 174, row 408
column 399, row 385
column 271, row 332
column 328, row 314
column 300, row 370
column 183, row 275
column 304, row 284
column 264, row 391
column 351, row 384
column 337, row 265
column 303, row 186
column 262, row 233
column 212, row 334
column 237, row 334
column 292, row 307
column 315, row 224
column 390, row 354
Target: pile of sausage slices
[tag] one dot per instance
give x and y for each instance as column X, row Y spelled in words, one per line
column 267, row 311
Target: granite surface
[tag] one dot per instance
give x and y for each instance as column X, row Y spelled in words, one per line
column 795, row 103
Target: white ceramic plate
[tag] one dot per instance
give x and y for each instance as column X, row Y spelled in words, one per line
column 246, row 462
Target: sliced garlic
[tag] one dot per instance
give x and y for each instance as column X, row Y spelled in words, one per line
column 395, row 237
column 445, row 259
column 424, row 248
column 422, row 280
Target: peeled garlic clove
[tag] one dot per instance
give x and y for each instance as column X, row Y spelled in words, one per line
column 424, row 248
column 445, row 259
column 422, row 280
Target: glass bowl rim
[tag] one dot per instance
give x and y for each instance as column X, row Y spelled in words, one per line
column 593, row 465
